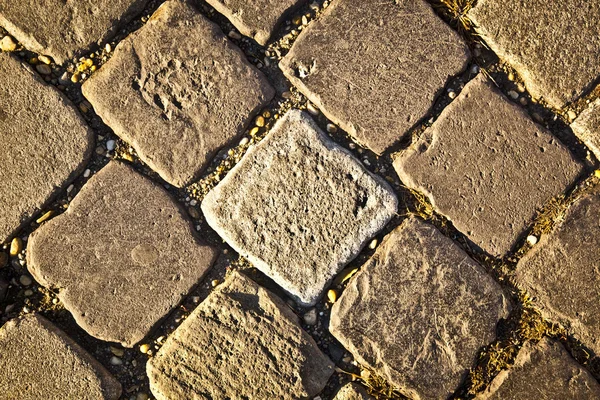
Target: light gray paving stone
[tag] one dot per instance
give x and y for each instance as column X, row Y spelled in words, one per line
column 64, row 29
column 299, row 207
column 563, row 271
column 39, row 361
column 418, row 311
column 375, row 68
column 554, row 46
column 122, row 256
column 177, row 91
column 45, row 144
column 352, row 391
column 242, row 342
column 487, row 166
column 543, row 371
column 257, row 19
column 587, row 127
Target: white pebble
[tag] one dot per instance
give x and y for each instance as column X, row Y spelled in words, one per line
column 475, row 69
column 193, row 202
column 86, row 173
column 244, row 141
column 532, row 240
column 115, row 360
column 110, row 145
column 452, row 94
column 513, row 95
column 373, row 244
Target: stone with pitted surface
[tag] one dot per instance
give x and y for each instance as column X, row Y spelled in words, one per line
column 587, row 127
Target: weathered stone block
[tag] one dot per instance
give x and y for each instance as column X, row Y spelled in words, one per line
column 418, row 311
column 299, row 207
column 487, row 166
column 587, row 127
column 122, row 256
column 376, row 67
column 177, row 91
column 44, row 144
column 39, row 361
column 241, row 342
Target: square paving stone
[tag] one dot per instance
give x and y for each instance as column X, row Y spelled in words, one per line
column 39, row 361
column 177, row 91
column 487, row 166
column 299, row 207
column 375, row 68
column 418, row 311
column 553, row 45
column 44, row 144
column 257, row 19
column 63, row 29
column 122, row 256
column 242, row 342
column 563, row 271
column 587, row 127
column 543, row 371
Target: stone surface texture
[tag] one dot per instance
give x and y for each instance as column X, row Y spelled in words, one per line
column 418, row 311
column 122, row 256
column 487, row 166
column 587, row 127
column 63, row 29
column 554, row 46
column 242, row 342
column 563, row 271
column 177, row 91
column 257, row 19
column 299, row 207
column 375, row 69
column 543, row 371
column 45, row 143
column 40, row 362
column 352, row 391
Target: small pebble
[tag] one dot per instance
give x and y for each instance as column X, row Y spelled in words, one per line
column 332, row 295
column 253, row 131
column 532, row 240
column 117, row 352
column 28, row 293
column 110, row 145
column 45, row 59
column 214, row 282
column 43, row 69
column 373, row 244
column 108, row 48
column 16, row 245
column 25, row 280
column 571, row 114
column 115, row 360
column 64, row 79
column 75, row 78
column 513, row 95
column 260, row 121
column 244, row 141
column 145, row 348
column 452, row 94
column 87, row 173
column 310, row 317
column 142, row 396
column 312, row 110
column 331, row 128
column 44, row 217
column 475, row 69
column 234, row 35
column 7, row 44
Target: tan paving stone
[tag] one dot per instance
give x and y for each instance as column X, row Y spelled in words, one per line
column 563, row 271
column 375, row 69
column 177, row 90
column 242, row 342
column 352, row 391
column 418, row 311
column 45, row 143
column 487, row 166
column 257, row 19
column 587, row 127
column 299, row 207
column 39, row 361
column 543, row 371
column 122, row 256
column 554, row 45
column 63, row 29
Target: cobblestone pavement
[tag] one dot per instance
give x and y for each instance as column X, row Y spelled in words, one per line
column 327, row 199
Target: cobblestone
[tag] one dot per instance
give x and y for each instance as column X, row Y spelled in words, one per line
column 484, row 163
column 368, row 68
column 561, row 271
column 418, row 311
column 241, row 342
column 45, row 144
column 587, row 127
column 64, row 29
column 543, row 371
column 299, row 207
column 257, row 19
column 177, row 90
column 122, row 256
column 553, row 46
column 40, row 362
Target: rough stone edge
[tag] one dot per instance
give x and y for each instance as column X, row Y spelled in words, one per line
column 109, row 384
column 315, row 98
column 329, row 144
column 584, row 132
column 32, row 262
column 85, row 157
